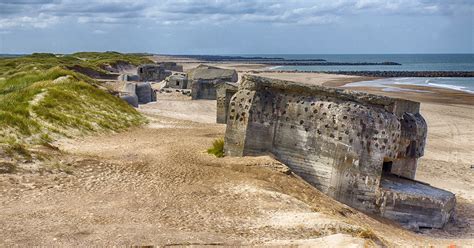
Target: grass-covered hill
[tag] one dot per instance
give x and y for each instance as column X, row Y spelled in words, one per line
column 42, row 98
column 90, row 61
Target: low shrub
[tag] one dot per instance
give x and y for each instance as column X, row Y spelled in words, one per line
column 217, row 148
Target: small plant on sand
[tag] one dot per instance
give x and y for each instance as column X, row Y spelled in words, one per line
column 15, row 148
column 217, row 148
column 61, row 167
column 7, row 167
column 367, row 234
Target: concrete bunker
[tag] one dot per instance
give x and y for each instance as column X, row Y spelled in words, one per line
column 358, row 148
column 137, row 93
column 224, row 92
column 204, row 80
column 152, row 72
column 177, row 81
column 172, row 66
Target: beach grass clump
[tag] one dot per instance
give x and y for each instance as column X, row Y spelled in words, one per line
column 59, row 101
column 7, row 167
column 15, row 148
column 50, row 101
column 217, row 148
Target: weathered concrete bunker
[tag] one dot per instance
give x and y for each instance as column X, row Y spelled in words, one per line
column 172, row 66
column 224, row 92
column 204, row 80
column 177, row 81
column 152, row 72
column 358, row 148
column 137, row 93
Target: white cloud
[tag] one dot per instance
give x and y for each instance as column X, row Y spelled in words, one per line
column 44, row 13
column 40, row 21
column 99, row 31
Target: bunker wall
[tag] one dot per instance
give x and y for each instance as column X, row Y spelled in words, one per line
column 339, row 141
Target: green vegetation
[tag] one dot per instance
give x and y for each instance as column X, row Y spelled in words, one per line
column 42, row 99
column 217, row 148
column 91, row 60
column 17, row 149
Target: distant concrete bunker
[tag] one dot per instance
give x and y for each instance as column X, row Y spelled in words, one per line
column 153, row 72
column 204, row 80
column 358, row 148
column 137, row 93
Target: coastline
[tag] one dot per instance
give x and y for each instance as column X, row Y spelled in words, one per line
column 184, row 195
column 414, row 92
column 450, row 142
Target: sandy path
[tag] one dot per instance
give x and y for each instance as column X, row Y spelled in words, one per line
column 203, row 111
column 156, row 185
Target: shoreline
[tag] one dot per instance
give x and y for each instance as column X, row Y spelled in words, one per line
column 418, row 93
column 448, row 155
column 382, row 74
column 333, row 79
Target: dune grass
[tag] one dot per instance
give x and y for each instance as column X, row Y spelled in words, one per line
column 217, row 148
column 43, row 100
column 43, row 61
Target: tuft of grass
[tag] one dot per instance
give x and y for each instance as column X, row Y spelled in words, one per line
column 217, row 148
column 6, row 167
column 61, row 167
column 367, row 234
column 16, row 148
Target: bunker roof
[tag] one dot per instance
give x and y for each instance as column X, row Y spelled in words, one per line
column 210, row 72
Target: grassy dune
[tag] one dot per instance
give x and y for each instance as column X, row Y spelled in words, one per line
column 91, row 60
column 41, row 100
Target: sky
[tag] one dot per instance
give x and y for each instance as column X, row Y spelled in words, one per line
column 237, row 27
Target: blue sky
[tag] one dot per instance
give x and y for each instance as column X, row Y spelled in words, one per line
column 237, row 27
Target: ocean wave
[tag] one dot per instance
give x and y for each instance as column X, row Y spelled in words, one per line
column 275, row 67
column 452, row 87
column 388, row 84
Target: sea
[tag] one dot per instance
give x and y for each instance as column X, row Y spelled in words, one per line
column 409, row 62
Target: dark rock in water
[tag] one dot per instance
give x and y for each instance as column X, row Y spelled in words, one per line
column 130, row 99
column 317, row 63
column 228, row 58
column 406, row 73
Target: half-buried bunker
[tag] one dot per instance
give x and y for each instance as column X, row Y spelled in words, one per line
column 358, row 148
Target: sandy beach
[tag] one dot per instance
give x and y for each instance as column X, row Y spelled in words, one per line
column 157, row 185
column 223, row 123
column 448, row 162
